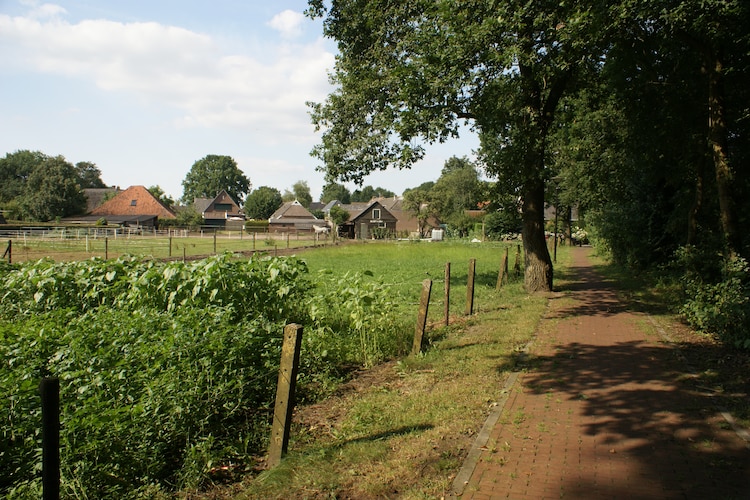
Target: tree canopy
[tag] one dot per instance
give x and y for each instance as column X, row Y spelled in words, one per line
column 52, row 191
column 367, row 193
column 300, row 192
column 89, row 175
column 413, row 73
column 212, row 174
column 334, row 191
column 39, row 187
column 261, row 203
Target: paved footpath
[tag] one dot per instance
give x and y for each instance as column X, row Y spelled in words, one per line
column 604, row 411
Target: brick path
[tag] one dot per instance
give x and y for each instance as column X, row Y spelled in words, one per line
column 602, row 413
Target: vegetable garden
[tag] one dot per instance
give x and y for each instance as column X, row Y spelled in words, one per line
column 167, row 369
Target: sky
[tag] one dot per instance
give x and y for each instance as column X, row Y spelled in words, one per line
column 145, row 88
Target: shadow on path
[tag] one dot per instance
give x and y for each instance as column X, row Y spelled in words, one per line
column 607, row 412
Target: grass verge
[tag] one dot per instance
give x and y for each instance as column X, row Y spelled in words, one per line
column 403, row 428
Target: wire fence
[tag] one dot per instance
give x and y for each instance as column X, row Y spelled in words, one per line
column 79, row 244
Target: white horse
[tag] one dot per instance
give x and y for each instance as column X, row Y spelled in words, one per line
column 321, row 231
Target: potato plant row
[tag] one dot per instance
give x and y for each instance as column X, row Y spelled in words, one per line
column 168, row 370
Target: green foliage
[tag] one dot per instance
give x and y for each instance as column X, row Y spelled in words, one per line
column 334, row 191
column 379, row 233
column 300, row 192
column 167, row 369
column 499, row 224
column 163, row 197
column 212, row 174
column 15, row 169
column 363, row 311
column 262, row 203
column 367, row 193
column 52, row 191
column 717, row 302
column 89, row 175
column 189, row 217
column 338, row 215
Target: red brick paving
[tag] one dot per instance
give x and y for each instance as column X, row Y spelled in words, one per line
column 601, row 412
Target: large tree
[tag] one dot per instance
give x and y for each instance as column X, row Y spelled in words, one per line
column 262, row 202
column 335, row 191
column 89, row 175
column 300, row 192
column 52, row 191
column 15, row 169
column 163, row 197
column 211, row 174
column 367, row 193
column 414, row 72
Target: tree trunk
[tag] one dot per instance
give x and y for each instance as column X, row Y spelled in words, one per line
column 539, row 273
column 717, row 136
column 692, row 231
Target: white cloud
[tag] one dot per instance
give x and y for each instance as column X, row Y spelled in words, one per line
column 288, row 23
column 43, row 11
column 182, row 69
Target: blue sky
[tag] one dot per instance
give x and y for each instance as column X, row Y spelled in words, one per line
column 144, row 88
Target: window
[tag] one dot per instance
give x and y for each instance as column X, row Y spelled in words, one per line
column 223, row 207
column 375, row 213
column 133, row 202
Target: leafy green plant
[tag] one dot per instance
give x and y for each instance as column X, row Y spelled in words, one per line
column 720, row 307
column 167, row 369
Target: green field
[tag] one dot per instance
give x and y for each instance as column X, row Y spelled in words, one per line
column 167, row 369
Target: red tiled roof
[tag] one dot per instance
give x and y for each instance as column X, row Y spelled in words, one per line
column 136, row 200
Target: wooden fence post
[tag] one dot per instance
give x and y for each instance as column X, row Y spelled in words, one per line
column 502, row 275
column 214, row 241
column 517, row 266
column 447, row 301
column 282, row 414
column 50, row 392
column 170, row 244
column 424, row 304
column 9, row 252
column 470, row 288
column 106, row 248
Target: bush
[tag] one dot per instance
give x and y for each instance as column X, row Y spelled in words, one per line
column 720, row 307
column 167, row 370
column 499, row 224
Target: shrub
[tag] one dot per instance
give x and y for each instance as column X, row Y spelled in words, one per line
column 720, row 307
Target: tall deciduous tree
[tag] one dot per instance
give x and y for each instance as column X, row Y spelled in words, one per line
column 717, row 30
column 52, row 191
column 262, row 202
column 335, row 191
column 89, row 175
column 413, row 72
column 15, row 169
column 160, row 195
column 211, row 174
column 300, row 192
column 367, row 193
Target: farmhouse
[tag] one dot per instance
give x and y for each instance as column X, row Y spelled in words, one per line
column 133, row 207
column 368, row 220
column 96, row 196
column 292, row 216
column 220, row 212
